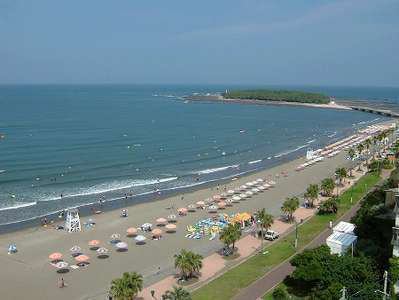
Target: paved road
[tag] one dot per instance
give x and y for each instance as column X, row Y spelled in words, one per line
column 257, row 289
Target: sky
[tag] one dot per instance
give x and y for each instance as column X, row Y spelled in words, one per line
column 285, row 42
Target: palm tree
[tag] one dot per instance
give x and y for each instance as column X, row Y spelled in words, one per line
column 360, row 148
column 327, row 186
column 290, row 205
column 341, row 174
column 312, row 193
column 178, row 293
column 230, row 234
column 265, row 220
column 188, row 262
column 127, row 287
column 351, row 153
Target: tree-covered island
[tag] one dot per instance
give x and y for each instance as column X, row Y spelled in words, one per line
column 277, row 95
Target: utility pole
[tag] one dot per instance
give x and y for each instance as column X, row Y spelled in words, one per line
column 385, row 285
column 343, row 296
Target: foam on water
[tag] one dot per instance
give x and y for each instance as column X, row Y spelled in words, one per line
column 254, row 162
column 109, row 187
column 18, row 205
column 213, row 170
column 290, row 151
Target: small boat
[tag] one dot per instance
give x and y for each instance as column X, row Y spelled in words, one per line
column 242, row 131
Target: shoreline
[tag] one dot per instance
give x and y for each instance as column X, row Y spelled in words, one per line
column 131, row 201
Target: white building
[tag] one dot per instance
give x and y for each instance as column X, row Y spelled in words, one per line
column 342, row 239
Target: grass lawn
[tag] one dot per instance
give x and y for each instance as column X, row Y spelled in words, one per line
column 230, row 283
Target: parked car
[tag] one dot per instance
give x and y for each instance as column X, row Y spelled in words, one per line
column 271, row 235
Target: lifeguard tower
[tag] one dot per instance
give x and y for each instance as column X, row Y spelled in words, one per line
column 72, row 220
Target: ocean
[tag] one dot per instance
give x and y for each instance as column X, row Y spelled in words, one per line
column 72, row 145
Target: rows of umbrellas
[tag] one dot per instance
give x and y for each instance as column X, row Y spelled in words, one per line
column 204, row 227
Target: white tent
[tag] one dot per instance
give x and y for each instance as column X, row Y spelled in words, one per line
column 340, row 242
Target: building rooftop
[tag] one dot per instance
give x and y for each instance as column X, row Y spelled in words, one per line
column 344, row 227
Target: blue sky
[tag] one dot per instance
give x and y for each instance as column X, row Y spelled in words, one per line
column 343, row 42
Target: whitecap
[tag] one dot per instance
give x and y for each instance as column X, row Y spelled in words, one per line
column 213, row 170
column 254, row 162
column 18, row 205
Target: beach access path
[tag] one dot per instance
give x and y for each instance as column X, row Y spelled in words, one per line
column 28, row 273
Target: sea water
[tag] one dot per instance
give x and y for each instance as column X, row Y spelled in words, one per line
column 67, row 146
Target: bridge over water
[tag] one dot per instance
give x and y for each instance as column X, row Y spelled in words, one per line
column 373, row 110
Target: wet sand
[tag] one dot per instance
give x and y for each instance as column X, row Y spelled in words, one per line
column 28, row 273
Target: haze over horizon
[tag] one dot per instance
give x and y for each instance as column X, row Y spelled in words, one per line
column 269, row 42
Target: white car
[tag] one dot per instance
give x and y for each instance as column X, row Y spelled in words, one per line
column 271, row 235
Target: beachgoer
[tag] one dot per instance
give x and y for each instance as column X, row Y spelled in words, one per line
column 61, row 283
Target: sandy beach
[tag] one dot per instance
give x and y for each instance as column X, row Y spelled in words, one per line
column 28, row 273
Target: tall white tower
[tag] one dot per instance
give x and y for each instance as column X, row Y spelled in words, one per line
column 72, row 221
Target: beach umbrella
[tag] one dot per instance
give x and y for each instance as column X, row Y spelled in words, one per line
column 243, row 196
column 75, row 249
column 82, row 258
column 170, row 228
column 102, row 251
column 61, row 265
column 229, row 202
column 182, row 211
column 212, row 208
column 140, row 238
column 224, row 195
column 55, row 256
column 115, row 236
column 121, row 246
column 259, row 180
column 132, row 231
column 249, row 184
column 272, row 183
column 249, row 193
column 266, row 185
column 172, row 218
column 191, row 207
column 243, row 187
column 161, row 221
column 261, row 188
column 230, row 192
column 237, row 191
column 222, row 205
column 94, row 243
column 216, row 197
column 12, row 248
column 146, row 226
column 200, row 204
column 156, row 232
column 255, row 190
column 236, row 199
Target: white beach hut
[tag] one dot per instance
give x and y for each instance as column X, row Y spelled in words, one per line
column 339, row 242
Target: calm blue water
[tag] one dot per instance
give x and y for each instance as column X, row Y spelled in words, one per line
column 91, row 142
